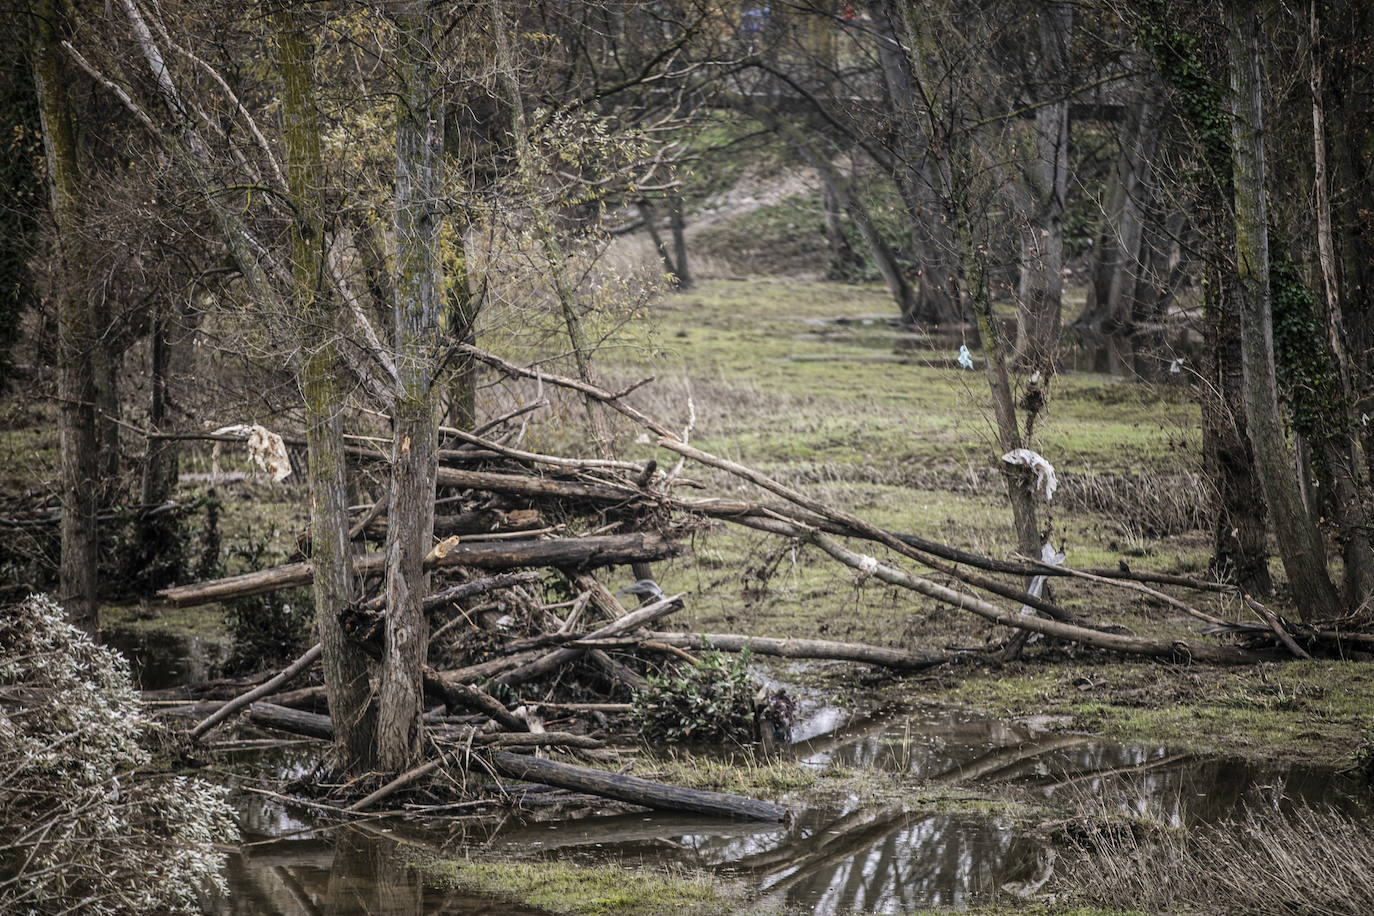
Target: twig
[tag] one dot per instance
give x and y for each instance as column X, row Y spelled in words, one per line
column 586, row 388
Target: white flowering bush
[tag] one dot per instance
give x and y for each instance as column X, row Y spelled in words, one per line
column 85, row 827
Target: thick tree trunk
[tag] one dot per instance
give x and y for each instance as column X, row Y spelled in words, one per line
column 77, row 334
column 345, row 666
column 419, row 286
column 1300, row 545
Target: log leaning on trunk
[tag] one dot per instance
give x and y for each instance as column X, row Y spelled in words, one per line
column 604, row 550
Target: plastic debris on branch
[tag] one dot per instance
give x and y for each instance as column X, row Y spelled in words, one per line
column 1044, row 471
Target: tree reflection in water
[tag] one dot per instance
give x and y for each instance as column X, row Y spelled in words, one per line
column 848, row 857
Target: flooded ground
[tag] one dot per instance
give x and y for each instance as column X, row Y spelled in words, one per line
column 956, row 835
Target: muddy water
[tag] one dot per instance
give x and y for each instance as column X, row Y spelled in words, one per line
column 847, row 855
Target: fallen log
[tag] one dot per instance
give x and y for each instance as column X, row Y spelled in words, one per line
column 295, row 721
column 740, row 511
column 455, row 694
column 602, row 550
column 563, row 775
column 803, row 648
column 1175, row 649
column 632, row 789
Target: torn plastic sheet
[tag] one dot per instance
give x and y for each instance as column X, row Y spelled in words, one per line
column 264, row 446
column 1037, row 583
column 965, row 357
column 1044, row 471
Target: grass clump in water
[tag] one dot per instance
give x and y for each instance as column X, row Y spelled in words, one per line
column 594, row 890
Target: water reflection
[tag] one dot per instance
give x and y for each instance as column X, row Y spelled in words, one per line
column 851, row 856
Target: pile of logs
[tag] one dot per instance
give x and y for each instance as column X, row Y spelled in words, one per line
column 531, row 521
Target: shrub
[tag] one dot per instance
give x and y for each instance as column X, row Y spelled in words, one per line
column 711, row 701
column 85, row 826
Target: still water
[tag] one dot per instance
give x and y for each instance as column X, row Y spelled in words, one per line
column 838, row 856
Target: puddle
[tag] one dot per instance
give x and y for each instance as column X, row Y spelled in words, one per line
column 846, row 857
column 160, row 658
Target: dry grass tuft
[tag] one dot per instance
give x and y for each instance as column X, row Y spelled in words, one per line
column 1306, row 862
column 1149, row 505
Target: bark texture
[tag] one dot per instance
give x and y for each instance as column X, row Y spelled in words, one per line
column 1300, row 545
column 418, row 287
column 345, row 667
column 77, row 335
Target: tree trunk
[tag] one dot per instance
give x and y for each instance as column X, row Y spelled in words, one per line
column 77, row 334
column 1041, row 286
column 345, row 666
column 678, row 224
column 1018, row 478
column 1300, row 545
column 410, row 518
column 937, row 296
column 646, row 213
column 463, row 309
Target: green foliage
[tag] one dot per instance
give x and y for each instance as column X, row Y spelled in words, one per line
column 1306, row 372
column 267, row 630
column 1198, row 94
column 711, row 701
column 86, row 827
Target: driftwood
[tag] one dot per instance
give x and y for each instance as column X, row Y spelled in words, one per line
column 295, row 721
column 1179, row 650
column 741, row 511
column 1276, row 625
column 455, row 694
column 603, row 550
column 803, row 648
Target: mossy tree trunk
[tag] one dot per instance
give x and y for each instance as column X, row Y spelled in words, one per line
column 77, row 334
column 345, row 665
column 1300, row 545
column 418, row 290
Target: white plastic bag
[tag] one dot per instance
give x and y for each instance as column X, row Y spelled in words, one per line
column 1044, row 471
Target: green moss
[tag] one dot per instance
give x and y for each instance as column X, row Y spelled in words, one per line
column 560, row 887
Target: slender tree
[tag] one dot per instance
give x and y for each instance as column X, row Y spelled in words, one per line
column 1300, row 545
column 418, row 282
column 76, row 328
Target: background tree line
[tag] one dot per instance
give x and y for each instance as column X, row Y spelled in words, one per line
column 309, row 209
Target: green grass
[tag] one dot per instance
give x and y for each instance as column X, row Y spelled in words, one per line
column 589, row 890
column 1316, row 711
